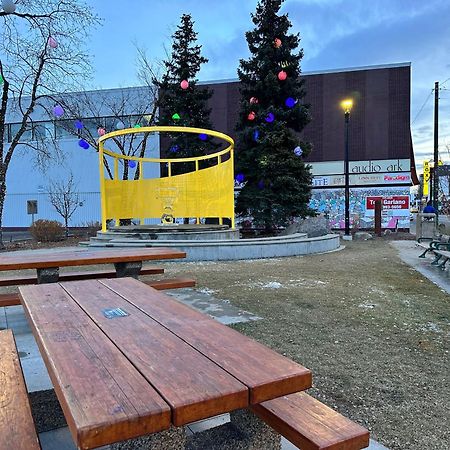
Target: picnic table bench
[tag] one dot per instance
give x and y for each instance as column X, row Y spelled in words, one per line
column 127, row 361
column 434, row 244
column 17, row 431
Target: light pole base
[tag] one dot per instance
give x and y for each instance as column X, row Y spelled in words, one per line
column 347, row 237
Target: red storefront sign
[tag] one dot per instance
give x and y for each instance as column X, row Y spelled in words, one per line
column 394, row 202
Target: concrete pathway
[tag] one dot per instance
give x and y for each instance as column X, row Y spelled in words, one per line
column 409, row 253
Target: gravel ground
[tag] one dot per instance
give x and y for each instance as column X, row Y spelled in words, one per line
column 374, row 332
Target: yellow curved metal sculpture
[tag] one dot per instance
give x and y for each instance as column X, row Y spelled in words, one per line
column 207, row 192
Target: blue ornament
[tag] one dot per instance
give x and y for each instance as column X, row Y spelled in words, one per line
column 131, row 164
column 83, row 144
column 261, row 184
column 203, row 136
column 174, row 148
column 79, row 124
column 298, row 151
column 256, row 135
column 270, row 118
column 290, row 102
column 240, row 177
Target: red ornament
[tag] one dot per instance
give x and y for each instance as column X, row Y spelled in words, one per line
column 282, row 75
column 184, row 84
column 277, row 43
column 251, row 116
column 253, row 100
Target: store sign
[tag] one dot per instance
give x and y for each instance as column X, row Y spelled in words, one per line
column 426, row 177
column 363, row 167
column 400, row 202
column 369, row 179
column 380, row 166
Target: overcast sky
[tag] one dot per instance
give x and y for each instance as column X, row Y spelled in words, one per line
column 335, row 34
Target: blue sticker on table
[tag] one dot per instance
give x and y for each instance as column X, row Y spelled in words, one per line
column 112, row 313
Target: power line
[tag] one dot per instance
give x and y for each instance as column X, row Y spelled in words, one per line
column 423, row 106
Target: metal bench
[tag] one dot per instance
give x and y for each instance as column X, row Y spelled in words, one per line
column 17, row 429
column 435, row 244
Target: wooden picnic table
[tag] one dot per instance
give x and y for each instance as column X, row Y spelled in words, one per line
column 127, row 262
column 127, row 360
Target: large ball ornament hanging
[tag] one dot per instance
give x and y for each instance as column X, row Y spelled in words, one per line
column 270, row 118
column 277, row 43
column 203, row 136
column 290, row 102
column 253, row 100
column 131, row 164
column 83, row 144
column 120, row 125
column 282, row 75
column 58, row 110
column 101, row 131
column 8, row 6
column 240, row 177
column 52, row 42
column 256, row 135
column 79, row 124
column 184, row 84
column 251, row 116
column 298, row 151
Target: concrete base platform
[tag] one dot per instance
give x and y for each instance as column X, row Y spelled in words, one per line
column 223, row 250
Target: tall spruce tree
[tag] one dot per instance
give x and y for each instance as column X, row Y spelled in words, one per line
column 184, row 103
column 269, row 158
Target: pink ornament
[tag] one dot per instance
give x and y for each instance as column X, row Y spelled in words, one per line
column 52, row 42
column 101, row 131
column 251, row 116
column 277, row 43
column 282, row 75
column 253, row 100
column 184, row 84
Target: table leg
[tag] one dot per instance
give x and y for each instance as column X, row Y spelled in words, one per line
column 47, row 275
column 173, row 439
column 128, row 269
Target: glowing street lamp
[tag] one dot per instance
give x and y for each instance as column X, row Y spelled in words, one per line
column 347, row 105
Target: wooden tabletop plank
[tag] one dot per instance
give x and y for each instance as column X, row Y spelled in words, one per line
column 194, row 386
column 39, row 260
column 104, row 398
column 16, row 423
column 266, row 373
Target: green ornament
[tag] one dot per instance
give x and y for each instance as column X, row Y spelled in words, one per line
column 137, row 126
column 176, row 116
column 1, row 79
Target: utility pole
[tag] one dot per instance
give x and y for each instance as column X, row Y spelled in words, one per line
column 435, row 185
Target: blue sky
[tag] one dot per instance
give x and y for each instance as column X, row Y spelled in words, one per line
column 335, row 34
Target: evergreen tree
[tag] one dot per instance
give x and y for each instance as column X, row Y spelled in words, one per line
column 269, row 157
column 184, row 103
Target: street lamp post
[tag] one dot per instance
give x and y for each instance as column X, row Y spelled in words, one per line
column 347, row 107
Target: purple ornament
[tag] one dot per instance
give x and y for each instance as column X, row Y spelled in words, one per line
column 261, row 184
column 58, row 110
column 298, row 151
column 256, row 135
column 240, row 177
column 131, row 164
column 203, row 136
column 79, row 124
column 83, row 144
column 270, row 118
column 290, row 102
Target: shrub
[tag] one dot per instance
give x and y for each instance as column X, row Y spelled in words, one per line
column 47, row 230
column 92, row 227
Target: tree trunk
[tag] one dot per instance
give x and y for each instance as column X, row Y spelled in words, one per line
column 2, row 202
